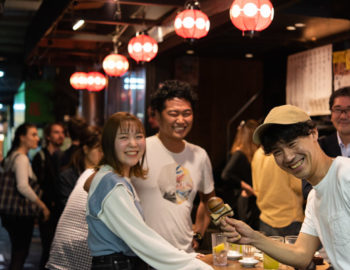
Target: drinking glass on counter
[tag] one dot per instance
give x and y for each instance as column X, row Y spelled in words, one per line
column 220, row 249
column 270, row 263
column 248, row 252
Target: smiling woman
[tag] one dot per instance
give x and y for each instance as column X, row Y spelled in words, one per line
column 17, row 222
column 117, row 231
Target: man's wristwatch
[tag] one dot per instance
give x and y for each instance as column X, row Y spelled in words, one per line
column 198, row 237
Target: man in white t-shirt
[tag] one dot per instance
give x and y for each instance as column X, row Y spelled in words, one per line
column 177, row 170
column 292, row 138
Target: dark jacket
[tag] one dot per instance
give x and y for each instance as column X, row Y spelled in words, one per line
column 66, row 182
column 330, row 145
column 46, row 168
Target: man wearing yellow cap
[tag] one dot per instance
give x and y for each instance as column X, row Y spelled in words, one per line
column 292, row 138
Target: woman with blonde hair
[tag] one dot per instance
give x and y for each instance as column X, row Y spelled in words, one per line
column 237, row 176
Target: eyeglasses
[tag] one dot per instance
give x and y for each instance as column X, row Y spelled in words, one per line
column 339, row 111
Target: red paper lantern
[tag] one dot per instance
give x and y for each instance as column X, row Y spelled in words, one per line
column 251, row 15
column 142, row 48
column 78, row 80
column 191, row 23
column 115, row 64
column 96, row 81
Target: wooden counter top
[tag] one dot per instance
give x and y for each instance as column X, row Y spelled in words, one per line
column 232, row 265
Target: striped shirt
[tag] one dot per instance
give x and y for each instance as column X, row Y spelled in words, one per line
column 69, row 249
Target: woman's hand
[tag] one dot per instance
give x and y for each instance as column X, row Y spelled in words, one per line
column 247, row 190
column 46, row 213
column 44, row 209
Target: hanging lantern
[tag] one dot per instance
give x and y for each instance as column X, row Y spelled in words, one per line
column 142, row 48
column 78, row 80
column 251, row 15
column 96, row 81
column 192, row 23
column 115, row 64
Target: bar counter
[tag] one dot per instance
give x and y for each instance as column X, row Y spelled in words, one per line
column 235, row 265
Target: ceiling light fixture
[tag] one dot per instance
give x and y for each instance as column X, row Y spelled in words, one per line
column 291, row 28
column 299, row 25
column 190, row 52
column 78, row 80
column 78, row 24
column 251, row 16
column 142, row 48
column 192, row 23
column 249, row 55
column 2, row 74
column 96, row 81
column 115, row 64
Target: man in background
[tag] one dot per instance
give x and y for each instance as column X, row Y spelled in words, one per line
column 177, row 169
column 337, row 143
column 46, row 165
column 76, row 127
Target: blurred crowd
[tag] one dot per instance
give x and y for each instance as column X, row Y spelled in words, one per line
column 114, row 196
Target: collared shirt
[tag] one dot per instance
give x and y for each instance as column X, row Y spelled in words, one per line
column 345, row 149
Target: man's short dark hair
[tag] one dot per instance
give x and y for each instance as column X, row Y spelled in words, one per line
column 284, row 133
column 342, row 92
column 172, row 89
column 48, row 129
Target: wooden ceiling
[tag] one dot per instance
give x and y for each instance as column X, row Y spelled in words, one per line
column 39, row 32
column 106, row 20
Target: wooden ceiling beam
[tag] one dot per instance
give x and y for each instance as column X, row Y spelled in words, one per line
column 173, row 3
column 124, row 22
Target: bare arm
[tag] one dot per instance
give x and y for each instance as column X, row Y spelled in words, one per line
column 22, row 169
column 247, row 189
column 298, row 255
column 202, row 216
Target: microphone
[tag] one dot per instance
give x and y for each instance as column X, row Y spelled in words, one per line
column 218, row 209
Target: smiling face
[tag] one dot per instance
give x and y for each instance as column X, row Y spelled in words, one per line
column 31, row 139
column 175, row 121
column 298, row 157
column 129, row 146
column 340, row 116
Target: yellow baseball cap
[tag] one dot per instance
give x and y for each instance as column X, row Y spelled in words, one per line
column 281, row 115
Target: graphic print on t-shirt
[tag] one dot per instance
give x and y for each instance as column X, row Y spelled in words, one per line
column 175, row 183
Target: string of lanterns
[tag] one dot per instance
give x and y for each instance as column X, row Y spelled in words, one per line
column 249, row 16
